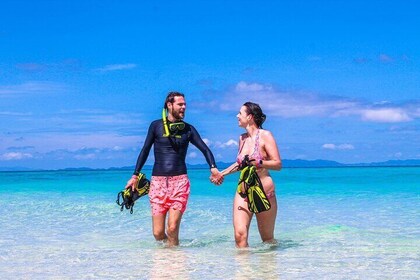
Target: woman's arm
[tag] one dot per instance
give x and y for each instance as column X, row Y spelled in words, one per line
column 235, row 166
column 273, row 155
column 231, row 169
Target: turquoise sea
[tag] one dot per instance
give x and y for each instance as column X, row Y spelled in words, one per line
column 332, row 223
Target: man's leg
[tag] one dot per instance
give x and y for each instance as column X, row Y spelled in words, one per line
column 179, row 187
column 157, row 184
column 159, row 227
column 174, row 222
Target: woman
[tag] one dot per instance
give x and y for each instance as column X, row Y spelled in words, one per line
column 261, row 147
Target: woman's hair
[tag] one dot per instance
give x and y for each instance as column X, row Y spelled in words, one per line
column 255, row 110
column 171, row 98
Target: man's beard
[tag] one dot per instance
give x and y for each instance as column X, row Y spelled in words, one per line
column 177, row 115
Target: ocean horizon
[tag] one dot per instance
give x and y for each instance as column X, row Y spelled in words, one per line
column 332, row 223
column 287, row 163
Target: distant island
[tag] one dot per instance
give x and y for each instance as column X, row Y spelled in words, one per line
column 287, row 163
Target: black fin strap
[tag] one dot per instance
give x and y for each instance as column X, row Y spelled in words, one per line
column 118, row 198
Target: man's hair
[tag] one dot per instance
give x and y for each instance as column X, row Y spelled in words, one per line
column 171, row 98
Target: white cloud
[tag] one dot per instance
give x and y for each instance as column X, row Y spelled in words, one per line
column 75, row 143
column 390, row 115
column 85, row 157
column 77, row 121
column 243, row 86
column 14, row 114
column 283, row 103
column 67, row 65
column 88, row 153
column 15, row 156
column 300, row 104
column 338, row 147
column 116, row 67
column 345, row 147
column 219, row 144
column 192, row 155
column 31, row 88
column 329, row 146
column 385, row 58
column 229, row 143
column 207, row 141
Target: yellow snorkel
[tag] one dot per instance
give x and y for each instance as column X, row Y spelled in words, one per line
column 165, row 123
column 171, row 127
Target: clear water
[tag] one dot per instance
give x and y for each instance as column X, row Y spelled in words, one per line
column 333, row 223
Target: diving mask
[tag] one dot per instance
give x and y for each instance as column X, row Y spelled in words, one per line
column 172, row 127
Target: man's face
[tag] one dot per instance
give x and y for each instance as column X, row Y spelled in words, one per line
column 177, row 109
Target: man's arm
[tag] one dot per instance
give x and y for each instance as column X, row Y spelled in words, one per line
column 199, row 143
column 216, row 177
column 141, row 159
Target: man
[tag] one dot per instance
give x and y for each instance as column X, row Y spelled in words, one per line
column 170, row 186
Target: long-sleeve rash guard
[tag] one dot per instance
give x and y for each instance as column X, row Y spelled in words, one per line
column 170, row 152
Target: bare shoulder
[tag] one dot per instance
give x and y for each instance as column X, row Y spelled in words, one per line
column 243, row 136
column 266, row 134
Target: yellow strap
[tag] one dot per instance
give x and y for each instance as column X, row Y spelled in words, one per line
column 165, row 123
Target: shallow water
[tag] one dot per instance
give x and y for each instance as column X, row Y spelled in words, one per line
column 332, row 223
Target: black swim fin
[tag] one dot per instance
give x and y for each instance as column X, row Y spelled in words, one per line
column 252, row 187
column 257, row 199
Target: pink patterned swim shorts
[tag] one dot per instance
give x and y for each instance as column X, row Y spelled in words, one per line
column 169, row 192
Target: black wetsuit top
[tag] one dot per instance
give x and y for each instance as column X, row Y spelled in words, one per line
column 170, row 152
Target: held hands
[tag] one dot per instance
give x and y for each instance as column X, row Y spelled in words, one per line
column 132, row 183
column 216, row 176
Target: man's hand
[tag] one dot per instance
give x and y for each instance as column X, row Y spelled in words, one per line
column 216, row 176
column 132, row 183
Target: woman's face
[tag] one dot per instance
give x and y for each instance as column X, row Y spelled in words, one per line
column 243, row 117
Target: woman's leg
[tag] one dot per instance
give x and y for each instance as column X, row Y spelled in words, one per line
column 241, row 221
column 266, row 222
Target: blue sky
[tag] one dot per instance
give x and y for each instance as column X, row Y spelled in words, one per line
column 80, row 81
